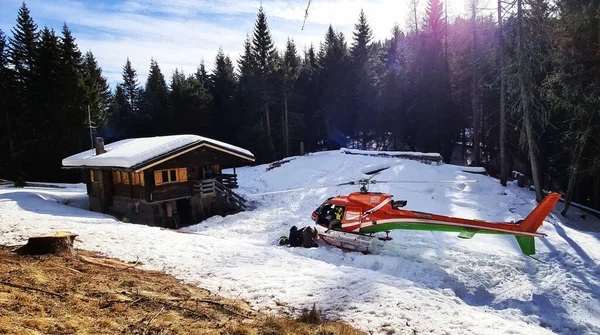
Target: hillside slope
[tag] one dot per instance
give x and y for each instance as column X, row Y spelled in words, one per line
column 419, row 282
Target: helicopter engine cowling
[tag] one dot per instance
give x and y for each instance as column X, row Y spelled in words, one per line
column 368, row 199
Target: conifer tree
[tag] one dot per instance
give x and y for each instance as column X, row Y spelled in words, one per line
column 71, row 91
column 97, row 92
column 156, row 100
column 222, row 88
column 362, row 90
column 48, row 113
column 573, row 91
column 127, row 102
column 291, row 62
column 264, row 54
column 22, row 49
column 6, row 139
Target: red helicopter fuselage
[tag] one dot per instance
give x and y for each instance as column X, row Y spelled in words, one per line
column 371, row 212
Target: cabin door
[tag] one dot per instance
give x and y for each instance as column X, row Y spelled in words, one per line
column 107, row 191
column 184, row 211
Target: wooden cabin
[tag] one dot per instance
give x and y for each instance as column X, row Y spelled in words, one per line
column 167, row 181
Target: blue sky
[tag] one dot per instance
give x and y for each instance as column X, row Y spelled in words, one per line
column 181, row 33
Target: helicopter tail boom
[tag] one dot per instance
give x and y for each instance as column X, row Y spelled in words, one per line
column 535, row 219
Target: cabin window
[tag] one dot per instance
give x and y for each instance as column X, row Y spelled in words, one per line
column 116, row 177
column 138, row 179
column 125, row 177
column 170, row 176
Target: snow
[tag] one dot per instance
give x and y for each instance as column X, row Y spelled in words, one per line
column 391, row 153
column 130, row 152
column 420, row 282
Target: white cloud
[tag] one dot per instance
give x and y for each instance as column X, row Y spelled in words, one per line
column 180, row 33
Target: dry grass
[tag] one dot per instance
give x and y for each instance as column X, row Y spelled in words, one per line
column 93, row 295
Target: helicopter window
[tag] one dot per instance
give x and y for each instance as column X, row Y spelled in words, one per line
column 329, row 212
column 352, row 214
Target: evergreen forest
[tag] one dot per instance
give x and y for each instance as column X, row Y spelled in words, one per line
column 518, row 88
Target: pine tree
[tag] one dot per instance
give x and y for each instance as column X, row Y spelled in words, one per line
column 156, row 100
column 291, row 63
column 222, row 88
column 333, row 100
column 48, row 114
column 246, row 62
column 22, row 49
column 503, row 118
column 6, row 139
column 433, row 117
column 128, row 100
column 202, row 76
column 475, row 105
column 264, row 54
column 573, row 91
column 362, row 89
column 362, row 39
column 71, row 92
column 307, row 90
column 97, row 92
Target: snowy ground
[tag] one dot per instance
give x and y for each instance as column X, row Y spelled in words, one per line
column 421, row 282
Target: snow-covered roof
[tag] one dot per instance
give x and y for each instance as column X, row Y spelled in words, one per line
column 132, row 152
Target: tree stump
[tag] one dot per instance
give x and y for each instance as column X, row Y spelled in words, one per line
column 59, row 243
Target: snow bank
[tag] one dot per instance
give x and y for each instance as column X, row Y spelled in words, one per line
column 421, row 282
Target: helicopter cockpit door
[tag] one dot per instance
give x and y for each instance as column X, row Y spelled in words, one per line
column 351, row 218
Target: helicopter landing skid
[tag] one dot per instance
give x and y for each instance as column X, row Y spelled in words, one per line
column 350, row 242
column 387, row 236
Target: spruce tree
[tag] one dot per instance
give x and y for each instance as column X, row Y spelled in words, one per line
column 128, row 101
column 202, row 76
column 22, row 49
column 222, row 88
column 362, row 82
column 264, row 54
column 71, row 92
column 573, row 90
column 362, row 39
column 333, row 98
column 48, row 116
column 97, row 92
column 156, row 100
column 246, row 63
column 6, row 137
column 291, row 63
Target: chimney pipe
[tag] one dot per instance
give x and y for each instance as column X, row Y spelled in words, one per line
column 100, row 146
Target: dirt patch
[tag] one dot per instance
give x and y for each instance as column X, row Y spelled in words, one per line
column 90, row 294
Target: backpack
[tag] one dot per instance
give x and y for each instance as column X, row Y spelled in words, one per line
column 295, row 238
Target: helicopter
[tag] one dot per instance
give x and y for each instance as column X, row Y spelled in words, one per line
column 351, row 221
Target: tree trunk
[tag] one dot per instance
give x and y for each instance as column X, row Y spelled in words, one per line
column 60, row 243
column 416, row 21
column 528, row 123
column 268, row 121
column 474, row 96
column 503, row 158
column 576, row 157
column 286, row 129
column 14, row 167
column 596, row 192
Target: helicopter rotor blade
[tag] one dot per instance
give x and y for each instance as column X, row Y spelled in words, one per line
column 301, row 189
column 424, row 181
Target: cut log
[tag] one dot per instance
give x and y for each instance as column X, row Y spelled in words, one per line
column 60, row 243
